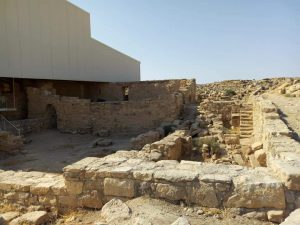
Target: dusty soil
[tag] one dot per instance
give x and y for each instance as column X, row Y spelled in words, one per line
column 50, row 151
column 159, row 212
column 290, row 107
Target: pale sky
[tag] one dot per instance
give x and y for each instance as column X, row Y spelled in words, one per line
column 209, row 40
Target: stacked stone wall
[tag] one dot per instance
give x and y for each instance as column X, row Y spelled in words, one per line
column 82, row 115
column 283, row 152
column 30, row 125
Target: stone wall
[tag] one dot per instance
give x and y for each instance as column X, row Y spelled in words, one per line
column 92, row 182
column 153, row 89
column 82, row 115
column 283, row 152
column 30, row 125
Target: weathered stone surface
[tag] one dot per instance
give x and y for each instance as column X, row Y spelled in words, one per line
column 257, row 191
column 74, row 187
column 170, row 192
column 256, row 215
column 293, row 218
column 181, row 221
column 90, row 200
column 175, row 175
column 115, row 209
column 119, row 187
column 5, row 218
column 253, row 161
column 146, row 138
column 32, row 218
column 275, row 216
column 260, row 156
column 256, row 146
column 203, row 194
column 288, row 171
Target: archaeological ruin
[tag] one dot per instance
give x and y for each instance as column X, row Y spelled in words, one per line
column 83, row 141
column 227, row 145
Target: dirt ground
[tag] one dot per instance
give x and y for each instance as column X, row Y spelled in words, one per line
column 290, row 107
column 50, row 151
column 158, row 212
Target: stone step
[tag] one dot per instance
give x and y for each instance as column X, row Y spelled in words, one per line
column 246, row 133
column 246, row 124
column 246, row 109
column 246, row 113
column 248, row 121
column 245, row 136
column 246, row 127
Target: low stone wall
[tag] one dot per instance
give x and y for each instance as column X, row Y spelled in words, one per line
column 82, row 115
column 92, row 182
column 197, row 183
column 283, row 152
column 30, row 125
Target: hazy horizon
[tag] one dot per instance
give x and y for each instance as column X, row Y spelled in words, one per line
column 209, row 40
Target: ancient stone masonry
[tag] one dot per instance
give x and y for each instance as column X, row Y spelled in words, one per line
column 282, row 152
column 153, row 89
column 82, row 115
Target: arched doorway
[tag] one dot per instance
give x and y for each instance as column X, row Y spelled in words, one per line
column 51, row 116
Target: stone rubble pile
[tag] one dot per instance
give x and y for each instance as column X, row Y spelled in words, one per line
column 290, row 88
column 235, row 89
column 10, row 143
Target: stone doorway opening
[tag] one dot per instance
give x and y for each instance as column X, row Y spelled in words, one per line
column 51, row 116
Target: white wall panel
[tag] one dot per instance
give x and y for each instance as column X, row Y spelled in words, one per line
column 4, row 58
column 50, row 39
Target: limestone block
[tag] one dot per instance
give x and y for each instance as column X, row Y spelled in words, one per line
column 275, row 216
column 257, row 190
column 69, row 201
column 173, row 175
column 256, row 146
column 203, row 194
column 181, row 221
column 90, row 200
column 144, row 175
column 119, row 187
column 288, row 171
column 216, row 178
column 260, row 156
column 256, row 215
column 146, row 138
column 115, row 209
column 253, row 161
column 41, row 188
column 121, row 172
column 32, row 218
column 5, row 218
column 170, row 192
column 47, row 200
column 74, row 187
